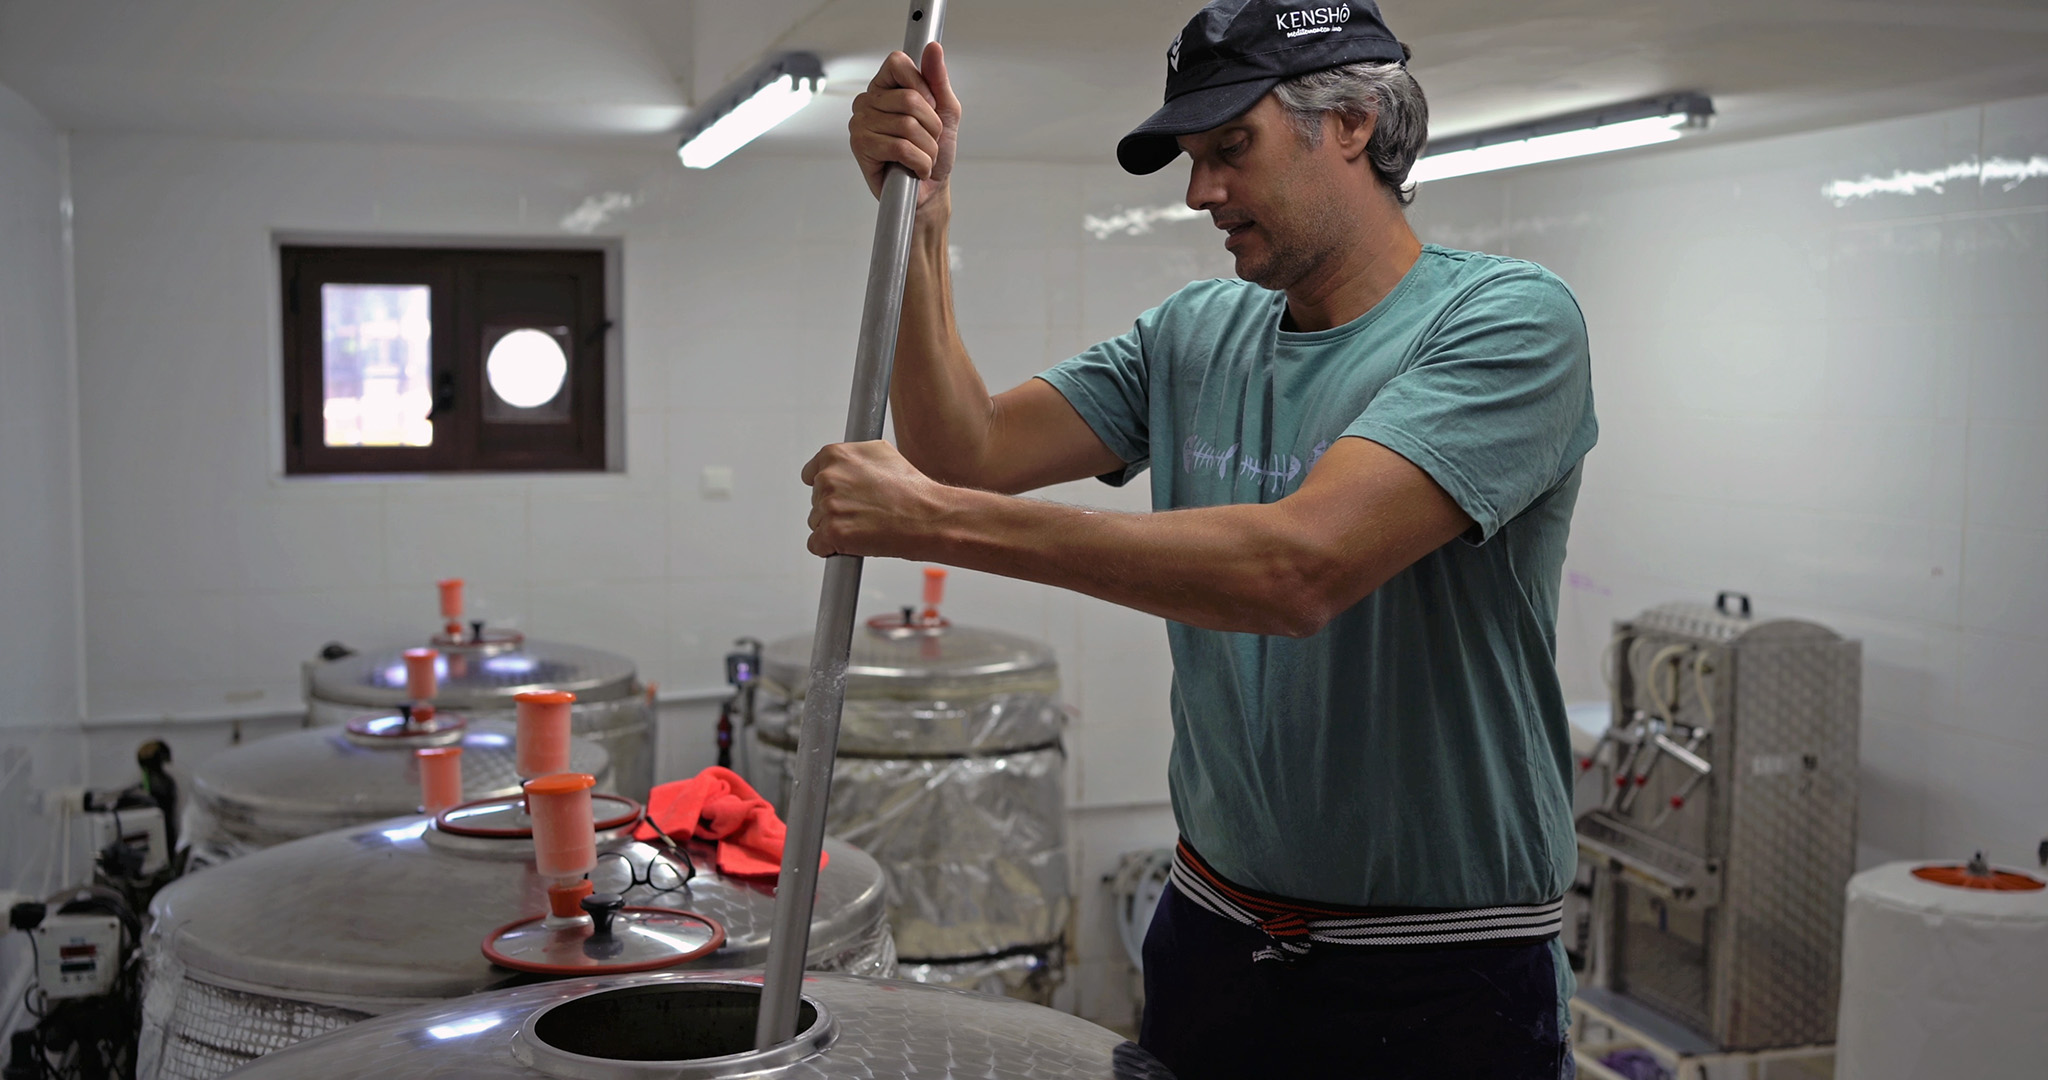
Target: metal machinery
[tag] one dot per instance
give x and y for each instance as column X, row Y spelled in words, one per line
column 951, row 773
column 700, row 1027
column 303, row 782
column 479, row 671
column 1727, row 834
column 318, row 933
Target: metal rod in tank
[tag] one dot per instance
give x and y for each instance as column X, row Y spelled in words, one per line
column 818, row 738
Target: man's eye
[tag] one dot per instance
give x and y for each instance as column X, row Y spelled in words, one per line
column 1235, row 148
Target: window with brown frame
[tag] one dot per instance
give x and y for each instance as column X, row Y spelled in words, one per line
column 443, row 359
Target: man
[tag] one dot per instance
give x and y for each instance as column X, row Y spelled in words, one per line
column 1364, row 458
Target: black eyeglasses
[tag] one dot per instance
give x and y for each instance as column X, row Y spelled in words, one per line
column 667, row 869
column 617, row 872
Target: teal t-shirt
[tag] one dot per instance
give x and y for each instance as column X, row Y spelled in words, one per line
column 1414, row 753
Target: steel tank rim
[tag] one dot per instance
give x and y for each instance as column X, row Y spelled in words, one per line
column 232, row 799
column 607, row 677
column 912, row 1018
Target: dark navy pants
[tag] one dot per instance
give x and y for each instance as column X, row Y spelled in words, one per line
column 1485, row 1012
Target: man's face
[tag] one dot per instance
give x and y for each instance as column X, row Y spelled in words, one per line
column 1277, row 198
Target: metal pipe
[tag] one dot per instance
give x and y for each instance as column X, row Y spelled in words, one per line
column 818, row 738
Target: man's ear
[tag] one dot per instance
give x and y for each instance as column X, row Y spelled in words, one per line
column 1351, row 134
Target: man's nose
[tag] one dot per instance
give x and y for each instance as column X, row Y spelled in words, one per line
column 1204, row 192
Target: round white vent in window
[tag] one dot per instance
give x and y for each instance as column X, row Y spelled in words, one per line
column 526, row 368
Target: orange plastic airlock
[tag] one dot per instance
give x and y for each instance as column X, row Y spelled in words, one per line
column 542, row 739
column 451, row 598
column 420, row 677
column 934, row 590
column 440, row 777
column 564, row 831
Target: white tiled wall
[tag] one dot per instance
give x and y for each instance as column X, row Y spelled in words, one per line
column 38, row 546
column 40, row 744
column 1839, row 406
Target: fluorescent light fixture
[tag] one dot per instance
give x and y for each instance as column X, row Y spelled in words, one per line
column 1595, row 131
column 742, row 112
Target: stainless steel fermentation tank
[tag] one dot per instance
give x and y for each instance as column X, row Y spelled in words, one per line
column 951, row 773
column 481, row 668
column 312, row 935
column 1728, row 830
column 299, row 783
column 700, row 1027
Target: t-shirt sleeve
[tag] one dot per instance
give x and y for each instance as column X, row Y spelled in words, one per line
column 1498, row 407
column 1109, row 386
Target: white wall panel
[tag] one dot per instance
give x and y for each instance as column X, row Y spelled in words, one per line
column 1836, row 404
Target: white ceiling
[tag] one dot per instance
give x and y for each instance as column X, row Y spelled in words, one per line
column 1042, row 79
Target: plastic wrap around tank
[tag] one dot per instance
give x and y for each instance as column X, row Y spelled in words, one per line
column 312, row 935
column 479, row 671
column 701, row 1025
column 951, row 774
column 300, row 783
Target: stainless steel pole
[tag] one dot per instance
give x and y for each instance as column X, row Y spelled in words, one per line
column 818, row 739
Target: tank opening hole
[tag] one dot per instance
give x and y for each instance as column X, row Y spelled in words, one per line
column 672, row 1022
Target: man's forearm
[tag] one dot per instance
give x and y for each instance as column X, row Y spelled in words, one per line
column 942, row 406
column 1248, row 568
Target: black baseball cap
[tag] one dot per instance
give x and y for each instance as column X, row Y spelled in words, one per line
column 1233, row 51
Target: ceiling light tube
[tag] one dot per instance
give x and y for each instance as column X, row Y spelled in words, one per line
column 742, row 112
column 1594, row 131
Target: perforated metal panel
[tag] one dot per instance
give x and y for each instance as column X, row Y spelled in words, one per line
column 219, row 1030
column 1725, row 912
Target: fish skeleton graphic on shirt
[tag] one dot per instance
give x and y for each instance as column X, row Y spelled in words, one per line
column 1197, row 456
column 1275, row 473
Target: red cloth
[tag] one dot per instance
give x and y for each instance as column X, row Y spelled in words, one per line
column 718, row 806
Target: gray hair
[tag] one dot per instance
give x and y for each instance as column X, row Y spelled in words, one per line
column 1386, row 92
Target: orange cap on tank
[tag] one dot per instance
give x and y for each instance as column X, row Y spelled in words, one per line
column 451, row 597
column 564, row 831
column 565, row 901
column 541, row 743
column 420, row 676
column 440, row 777
column 934, row 589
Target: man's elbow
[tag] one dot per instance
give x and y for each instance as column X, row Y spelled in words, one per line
column 1310, row 591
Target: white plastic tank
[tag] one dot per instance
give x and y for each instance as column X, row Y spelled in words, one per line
column 1944, row 973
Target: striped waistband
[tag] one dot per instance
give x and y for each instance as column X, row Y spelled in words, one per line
column 1293, row 926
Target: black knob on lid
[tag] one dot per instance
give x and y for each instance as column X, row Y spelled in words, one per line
column 602, row 907
column 476, row 628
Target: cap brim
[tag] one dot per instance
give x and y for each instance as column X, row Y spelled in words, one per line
column 1152, row 144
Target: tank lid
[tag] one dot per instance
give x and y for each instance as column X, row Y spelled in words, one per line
column 506, row 818
column 299, row 782
column 609, row 938
column 394, row 911
column 478, row 678
column 896, row 647
column 408, row 728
